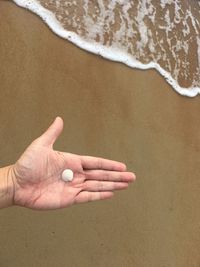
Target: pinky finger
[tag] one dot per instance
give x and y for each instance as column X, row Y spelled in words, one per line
column 86, row 196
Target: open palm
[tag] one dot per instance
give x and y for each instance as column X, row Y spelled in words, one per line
column 37, row 175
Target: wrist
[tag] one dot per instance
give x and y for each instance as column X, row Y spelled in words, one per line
column 6, row 186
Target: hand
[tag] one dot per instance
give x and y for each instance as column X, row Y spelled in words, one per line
column 37, row 175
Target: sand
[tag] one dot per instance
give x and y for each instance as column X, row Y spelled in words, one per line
column 114, row 112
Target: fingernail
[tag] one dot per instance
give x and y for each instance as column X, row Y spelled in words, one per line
column 133, row 178
column 123, row 166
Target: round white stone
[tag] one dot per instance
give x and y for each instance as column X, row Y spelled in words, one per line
column 67, row 175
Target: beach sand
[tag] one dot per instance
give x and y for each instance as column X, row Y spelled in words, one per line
column 110, row 111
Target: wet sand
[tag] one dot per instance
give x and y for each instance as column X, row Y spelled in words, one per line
column 111, row 111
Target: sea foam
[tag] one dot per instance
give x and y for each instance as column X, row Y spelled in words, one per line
column 143, row 34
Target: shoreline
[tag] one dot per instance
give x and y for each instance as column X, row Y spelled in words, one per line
column 97, row 49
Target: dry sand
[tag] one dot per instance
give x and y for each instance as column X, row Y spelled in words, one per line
column 111, row 111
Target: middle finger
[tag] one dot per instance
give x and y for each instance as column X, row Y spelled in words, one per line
column 114, row 176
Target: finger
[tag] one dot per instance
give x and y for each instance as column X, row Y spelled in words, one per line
column 49, row 137
column 96, row 186
column 100, row 163
column 109, row 176
column 85, row 196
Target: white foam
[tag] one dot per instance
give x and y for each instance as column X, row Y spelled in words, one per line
column 198, row 44
column 114, row 53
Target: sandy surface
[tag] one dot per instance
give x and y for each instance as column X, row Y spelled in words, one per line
column 111, row 111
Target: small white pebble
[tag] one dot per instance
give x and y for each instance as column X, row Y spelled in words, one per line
column 67, row 175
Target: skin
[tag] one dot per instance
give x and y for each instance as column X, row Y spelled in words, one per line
column 34, row 181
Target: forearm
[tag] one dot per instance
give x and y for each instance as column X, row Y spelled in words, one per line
column 6, row 187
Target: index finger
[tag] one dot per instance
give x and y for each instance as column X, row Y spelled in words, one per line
column 102, row 164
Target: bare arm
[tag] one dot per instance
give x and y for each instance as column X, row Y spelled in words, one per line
column 6, row 187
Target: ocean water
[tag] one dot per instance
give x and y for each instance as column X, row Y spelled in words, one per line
column 144, row 34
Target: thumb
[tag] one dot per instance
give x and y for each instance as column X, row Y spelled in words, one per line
column 49, row 137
